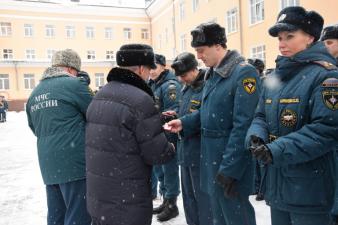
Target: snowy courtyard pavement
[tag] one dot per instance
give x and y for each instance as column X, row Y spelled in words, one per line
column 22, row 193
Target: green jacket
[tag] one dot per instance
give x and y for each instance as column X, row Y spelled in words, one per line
column 56, row 112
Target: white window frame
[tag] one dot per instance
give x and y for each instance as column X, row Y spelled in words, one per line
column 50, row 53
column 91, row 55
column 256, row 11
column 127, row 33
column 29, row 81
column 28, row 30
column 90, row 32
column 7, row 54
column 70, row 31
column 195, row 4
column 30, row 54
column 4, row 81
column 145, row 33
column 287, row 3
column 181, row 9
column 258, row 52
column 183, row 42
column 231, row 20
column 5, row 29
column 50, row 31
column 99, row 80
column 110, row 55
column 108, row 33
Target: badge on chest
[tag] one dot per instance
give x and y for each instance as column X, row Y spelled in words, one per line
column 288, row 118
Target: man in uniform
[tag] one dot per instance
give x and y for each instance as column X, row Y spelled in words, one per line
column 229, row 99
column 330, row 39
column 196, row 202
column 166, row 89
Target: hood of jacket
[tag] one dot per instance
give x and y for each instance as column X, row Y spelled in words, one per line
column 288, row 66
column 128, row 77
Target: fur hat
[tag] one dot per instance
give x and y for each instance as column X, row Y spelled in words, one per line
column 160, row 59
column 135, row 55
column 330, row 32
column 67, row 58
column 257, row 63
column 294, row 18
column 183, row 63
column 207, row 34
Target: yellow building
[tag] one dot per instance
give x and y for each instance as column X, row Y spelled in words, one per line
column 31, row 31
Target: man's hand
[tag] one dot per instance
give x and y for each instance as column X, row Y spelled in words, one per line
column 173, row 126
column 263, row 154
column 255, row 142
column 229, row 185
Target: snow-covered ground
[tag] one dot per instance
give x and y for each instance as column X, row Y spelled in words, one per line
column 22, row 193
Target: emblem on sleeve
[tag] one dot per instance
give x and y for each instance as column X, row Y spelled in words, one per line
column 288, row 118
column 330, row 98
column 172, row 92
column 249, row 85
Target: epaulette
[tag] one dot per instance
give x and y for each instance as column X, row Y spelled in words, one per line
column 326, row 65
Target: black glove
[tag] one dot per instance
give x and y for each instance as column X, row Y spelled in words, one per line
column 263, row 154
column 167, row 118
column 255, row 142
column 229, row 185
column 334, row 220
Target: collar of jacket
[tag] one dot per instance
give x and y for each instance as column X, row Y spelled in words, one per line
column 198, row 82
column 228, row 63
column 128, row 77
column 162, row 77
column 51, row 72
column 287, row 67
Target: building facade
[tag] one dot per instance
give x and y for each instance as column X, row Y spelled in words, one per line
column 31, row 32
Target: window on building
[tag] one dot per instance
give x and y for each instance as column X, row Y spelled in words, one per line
column 159, row 41
column 28, row 30
column 144, row 33
column 91, row 54
column 70, row 32
column 182, row 10
column 30, row 54
column 99, row 80
column 108, row 33
column 50, row 53
column 5, row 29
column 29, row 81
column 183, row 42
column 4, row 82
column 258, row 52
column 50, row 31
column 256, row 11
column 7, row 53
column 127, row 33
column 90, row 32
column 195, row 4
column 287, row 3
column 231, row 20
column 110, row 55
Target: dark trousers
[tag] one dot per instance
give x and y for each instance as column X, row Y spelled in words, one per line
column 167, row 175
column 195, row 202
column 279, row 217
column 236, row 211
column 2, row 116
column 67, row 204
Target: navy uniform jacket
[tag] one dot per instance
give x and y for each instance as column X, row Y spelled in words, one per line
column 188, row 148
column 166, row 89
column 230, row 96
column 297, row 116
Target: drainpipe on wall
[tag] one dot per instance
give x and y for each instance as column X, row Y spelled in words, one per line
column 16, row 74
column 240, row 26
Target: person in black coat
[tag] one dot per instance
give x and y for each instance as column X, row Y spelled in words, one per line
column 124, row 138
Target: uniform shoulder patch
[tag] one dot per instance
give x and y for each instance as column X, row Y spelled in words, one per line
column 249, row 85
column 330, row 82
column 172, row 92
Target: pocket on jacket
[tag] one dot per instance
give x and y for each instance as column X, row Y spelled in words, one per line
column 303, row 185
